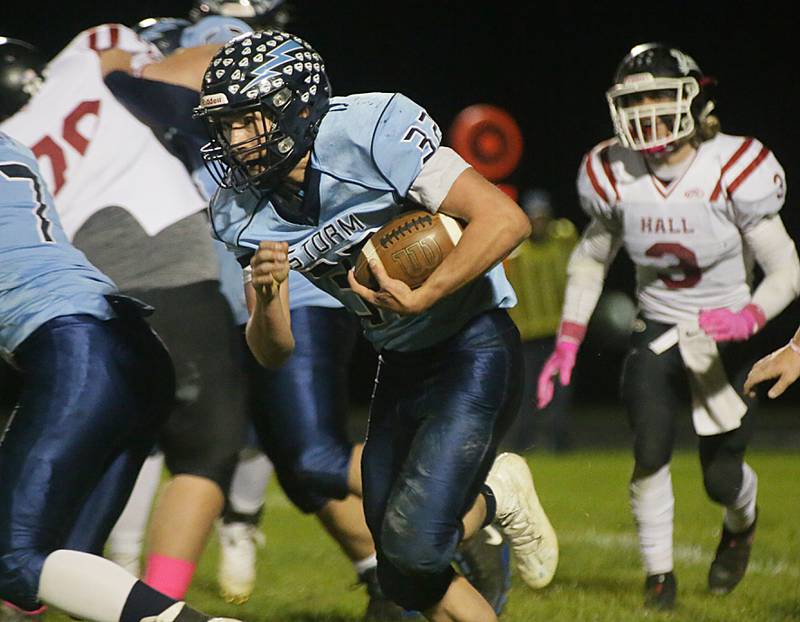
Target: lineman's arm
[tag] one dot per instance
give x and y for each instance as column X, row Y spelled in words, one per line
column 185, row 67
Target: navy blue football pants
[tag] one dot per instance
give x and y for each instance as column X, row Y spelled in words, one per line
column 436, row 419
column 300, row 410
column 93, row 395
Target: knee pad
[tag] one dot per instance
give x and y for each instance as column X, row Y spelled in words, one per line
column 411, row 551
column 722, row 478
column 650, row 456
column 315, row 476
column 214, row 465
column 19, row 577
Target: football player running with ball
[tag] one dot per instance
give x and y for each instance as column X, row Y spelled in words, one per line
column 685, row 201
column 306, row 179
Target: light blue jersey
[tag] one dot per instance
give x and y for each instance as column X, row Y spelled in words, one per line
column 219, row 29
column 42, row 276
column 369, row 150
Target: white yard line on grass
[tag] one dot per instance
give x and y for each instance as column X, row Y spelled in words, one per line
column 686, row 554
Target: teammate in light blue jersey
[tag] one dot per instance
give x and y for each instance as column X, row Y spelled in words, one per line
column 36, row 256
column 96, row 385
column 305, row 181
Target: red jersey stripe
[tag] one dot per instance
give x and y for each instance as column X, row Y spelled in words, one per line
column 593, row 178
column 738, row 154
column 747, row 171
column 608, row 171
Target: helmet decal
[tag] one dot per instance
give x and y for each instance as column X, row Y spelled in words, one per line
column 276, row 61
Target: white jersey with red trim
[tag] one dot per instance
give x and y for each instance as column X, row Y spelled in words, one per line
column 92, row 152
column 685, row 237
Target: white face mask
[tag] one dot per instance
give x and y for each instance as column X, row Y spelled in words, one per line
column 663, row 116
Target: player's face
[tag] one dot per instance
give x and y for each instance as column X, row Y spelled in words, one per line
column 246, row 133
column 663, row 123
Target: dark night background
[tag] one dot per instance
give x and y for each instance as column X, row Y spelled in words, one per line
column 548, row 64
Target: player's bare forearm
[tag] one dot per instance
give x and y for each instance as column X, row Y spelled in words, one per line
column 269, row 329
column 495, row 226
column 185, row 67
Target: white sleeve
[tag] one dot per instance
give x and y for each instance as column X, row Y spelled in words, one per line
column 436, row 178
column 587, row 270
column 775, row 252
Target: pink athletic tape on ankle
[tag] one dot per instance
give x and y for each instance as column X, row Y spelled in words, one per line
column 168, row 575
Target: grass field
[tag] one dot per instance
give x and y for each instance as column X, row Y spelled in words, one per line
column 303, row 577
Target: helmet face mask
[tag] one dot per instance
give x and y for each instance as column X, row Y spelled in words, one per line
column 246, row 146
column 264, row 96
column 657, row 100
column 643, row 104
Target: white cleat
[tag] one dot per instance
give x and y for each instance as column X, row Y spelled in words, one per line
column 236, row 573
column 523, row 521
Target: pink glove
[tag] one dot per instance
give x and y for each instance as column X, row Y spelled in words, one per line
column 726, row 325
column 561, row 361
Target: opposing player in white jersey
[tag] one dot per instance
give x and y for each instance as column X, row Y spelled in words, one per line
column 92, row 151
column 692, row 207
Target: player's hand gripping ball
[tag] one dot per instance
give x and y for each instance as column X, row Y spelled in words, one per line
column 409, row 248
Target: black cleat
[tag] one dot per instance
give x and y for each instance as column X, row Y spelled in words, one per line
column 730, row 562
column 380, row 608
column 485, row 561
column 659, row 591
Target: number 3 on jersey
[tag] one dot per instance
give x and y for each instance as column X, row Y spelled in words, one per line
column 687, row 263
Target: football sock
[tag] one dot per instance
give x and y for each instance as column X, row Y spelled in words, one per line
column 126, row 539
column 491, row 505
column 143, row 601
column 246, row 494
column 169, row 575
column 741, row 514
column 86, row 586
column 653, row 506
column 365, row 564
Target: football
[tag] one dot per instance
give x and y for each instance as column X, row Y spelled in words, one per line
column 410, row 247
